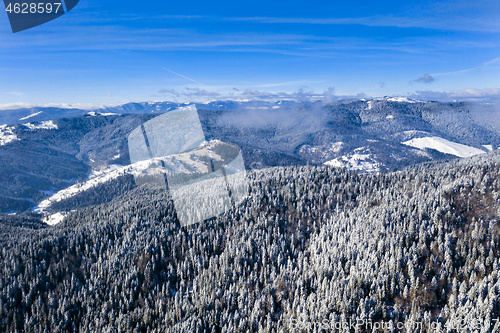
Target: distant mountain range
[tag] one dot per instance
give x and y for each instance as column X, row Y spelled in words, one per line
column 36, row 114
column 51, row 155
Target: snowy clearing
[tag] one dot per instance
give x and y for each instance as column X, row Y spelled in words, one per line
column 31, row 115
column 443, row 146
column 54, row 218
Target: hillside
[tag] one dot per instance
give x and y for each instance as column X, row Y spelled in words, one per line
column 46, row 159
column 310, row 244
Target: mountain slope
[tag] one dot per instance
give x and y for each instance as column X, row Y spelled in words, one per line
column 44, row 160
column 361, row 135
column 310, row 245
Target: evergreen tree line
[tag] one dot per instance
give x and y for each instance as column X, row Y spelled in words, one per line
column 309, row 244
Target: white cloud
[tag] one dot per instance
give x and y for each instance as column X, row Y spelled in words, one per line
column 83, row 106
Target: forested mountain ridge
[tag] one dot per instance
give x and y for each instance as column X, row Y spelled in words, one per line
column 309, row 244
column 39, row 158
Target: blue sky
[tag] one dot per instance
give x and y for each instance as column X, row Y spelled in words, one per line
column 110, row 52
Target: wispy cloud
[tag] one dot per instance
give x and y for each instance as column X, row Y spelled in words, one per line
column 305, row 43
column 492, row 62
column 487, row 64
column 162, row 92
column 486, row 24
column 181, row 75
column 146, row 39
column 442, row 17
column 83, row 106
column 189, row 94
column 197, row 92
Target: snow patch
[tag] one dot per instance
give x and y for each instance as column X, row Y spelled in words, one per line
column 489, row 147
column 95, row 114
column 54, row 218
column 321, row 153
column 7, row 135
column 31, row 115
column 42, row 125
column 360, row 160
column 443, row 146
column 399, row 99
column 391, row 116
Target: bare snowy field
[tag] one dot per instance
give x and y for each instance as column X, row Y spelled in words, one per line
column 444, row 146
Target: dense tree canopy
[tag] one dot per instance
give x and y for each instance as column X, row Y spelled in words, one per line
column 309, row 244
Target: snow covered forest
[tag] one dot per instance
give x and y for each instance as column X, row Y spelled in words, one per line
column 310, row 244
